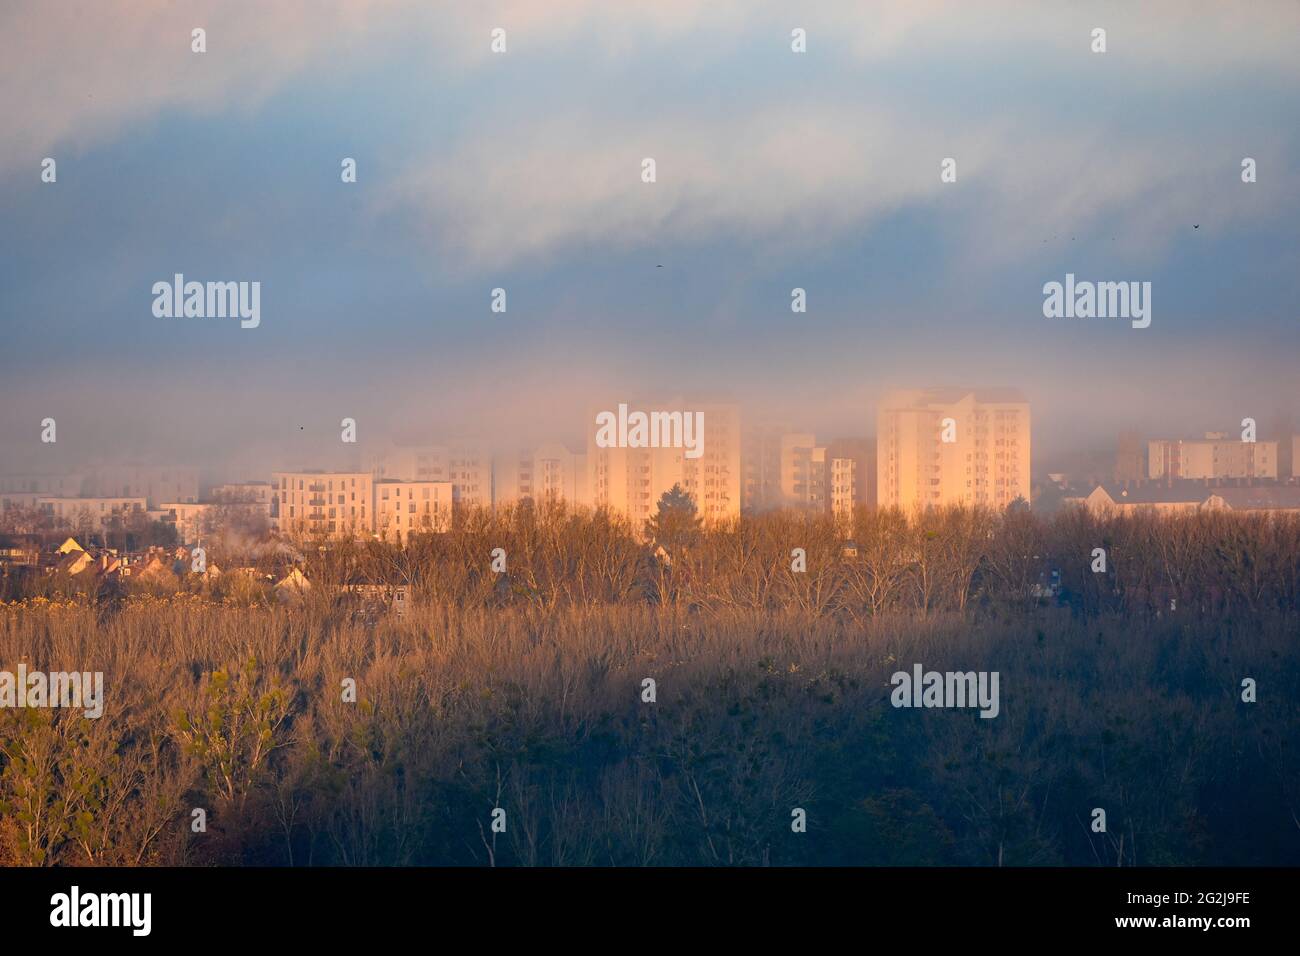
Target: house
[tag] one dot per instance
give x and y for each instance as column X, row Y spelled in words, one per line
column 1188, row 496
column 20, row 550
column 74, row 562
column 153, row 568
column 292, row 587
column 381, row 597
column 1251, row 498
column 1113, row 497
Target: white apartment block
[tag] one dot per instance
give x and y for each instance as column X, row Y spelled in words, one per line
column 243, row 492
column 559, row 475
column 985, row 465
column 328, row 504
column 630, row 481
column 544, row 475
column 97, row 512
column 469, row 469
column 409, row 462
column 853, row 481
column 512, row 478
column 403, row 508
column 760, row 461
column 190, row 519
column 154, row 483
column 803, row 472
column 841, row 488
column 1215, row 456
column 55, row 486
column 466, row 464
column 23, row 499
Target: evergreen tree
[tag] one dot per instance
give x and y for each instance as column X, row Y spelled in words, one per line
column 676, row 524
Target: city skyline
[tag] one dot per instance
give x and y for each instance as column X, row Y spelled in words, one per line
column 932, row 448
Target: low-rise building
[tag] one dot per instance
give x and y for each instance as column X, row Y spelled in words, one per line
column 1188, row 496
column 1214, row 456
column 322, row 504
column 91, row 513
column 403, row 508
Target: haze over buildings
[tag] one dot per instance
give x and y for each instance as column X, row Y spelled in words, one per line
column 953, row 446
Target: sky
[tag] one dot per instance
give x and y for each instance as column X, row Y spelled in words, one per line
column 522, row 170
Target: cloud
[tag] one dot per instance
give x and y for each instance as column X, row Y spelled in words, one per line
column 74, row 74
column 785, row 174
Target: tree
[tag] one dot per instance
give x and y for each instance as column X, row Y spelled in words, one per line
column 676, row 524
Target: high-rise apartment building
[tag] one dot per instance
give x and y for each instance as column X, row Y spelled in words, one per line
column 948, row 446
column 841, row 485
column 512, row 477
column 862, row 452
column 1131, row 457
column 760, row 462
column 469, row 469
column 544, row 475
column 559, row 475
column 803, row 472
column 630, row 480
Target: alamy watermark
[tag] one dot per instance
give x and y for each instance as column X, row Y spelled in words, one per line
column 179, row 299
column 75, row 908
column 626, row 429
column 1101, row 300
column 74, row 689
column 923, row 688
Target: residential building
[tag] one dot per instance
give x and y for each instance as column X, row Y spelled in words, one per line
column 760, row 461
column 559, row 475
column 1186, row 496
column 20, row 550
column 841, row 487
column 317, row 503
column 189, row 517
column 629, row 481
column 803, row 472
column 950, row 446
column 469, row 467
column 57, row 486
column 403, row 508
column 862, row 475
column 409, row 462
column 512, row 478
column 548, row 474
column 154, row 483
column 243, row 492
column 1131, row 457
column 1214, row 456
column 91, row 513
